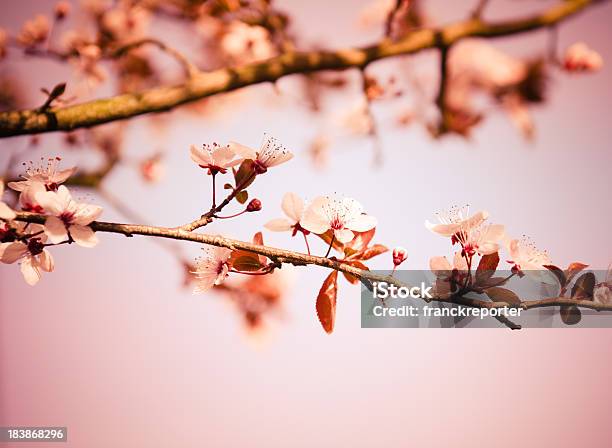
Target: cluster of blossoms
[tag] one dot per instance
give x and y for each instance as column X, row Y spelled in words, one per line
column 340, row 218
column 67, row 220
column 476, row 237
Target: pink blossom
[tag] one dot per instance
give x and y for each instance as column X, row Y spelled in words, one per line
column 32, row 254
column 34, row 31
column 271, row 153
column 47, row 173
column 526, row 258
column 342, row 215
column 212, row 268
column 245, row 43
column 448, row 278
column 293, row 206
column 455, row 220
column 27, row 197
column 580, row 58
column 6, row 213
column 214, row 158
column 69, row 219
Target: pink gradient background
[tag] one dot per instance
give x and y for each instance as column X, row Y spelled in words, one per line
column 111, row 347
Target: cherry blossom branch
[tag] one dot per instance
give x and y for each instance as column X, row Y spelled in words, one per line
column 282, row 256
column 204, row 84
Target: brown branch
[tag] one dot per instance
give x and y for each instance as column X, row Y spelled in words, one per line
column 190, row 69
column 280, row 256
column 162, row 99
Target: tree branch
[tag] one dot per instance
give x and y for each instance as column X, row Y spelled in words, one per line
column 202, row 85
column 281, row 256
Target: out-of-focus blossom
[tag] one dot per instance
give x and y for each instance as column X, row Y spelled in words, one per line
column 358, row 120
column 96, row 7
column 3, row 41
column 126, row 21
column 270, row 154
column 603, row 291
column 293, row 206
column 318, row 150
column 6, row 213
column 69, row 219
column 32, row 254
column 519, row 114
column 88, row 63
column 342, row 215
column 214, row 158
column 211, row 268
column 34, row 31
column 478, row 62
column 400, row 255
column 580, row 58
column 47, row 174
column 152, row 169
column 245, row 43
column 61, row 10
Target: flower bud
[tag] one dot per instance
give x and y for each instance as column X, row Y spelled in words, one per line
column 580, row 58
column 254, row 205
column 399, row 256
column 62, row 9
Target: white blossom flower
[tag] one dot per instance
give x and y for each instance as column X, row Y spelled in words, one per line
column 455, row 220
column 211, row 268
column 580, row 58
column 27, row 197
column 603, row 291
column 6, row 212
column 34, row 31
column 342, row 215
column 70, row 219
column 271, row 153
column 32, row 254
column 293, row 206
column 47, row 173
column 215, row 158
column 526, row 258
column 448, row 277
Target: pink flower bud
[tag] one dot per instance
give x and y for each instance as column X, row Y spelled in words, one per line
column 580, row 58
column 62, row 9
column 254, row 205
column 399, row 255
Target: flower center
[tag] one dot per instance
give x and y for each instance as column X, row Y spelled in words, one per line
column 35, row 246
column 259, row 167
column 67, row 217
column 34, row 208
column 336, row 224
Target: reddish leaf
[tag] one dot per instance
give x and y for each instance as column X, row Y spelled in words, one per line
column 244, row 176
column 495, row 281
column 353, row 280
column 326, row 302
column 558, row 273
column 371, row 252
column 573, row 269
column 361, row 240
column 584, row 286
column 245, row 261
column 327, row 237
column 570, row 315
column 242, row 196
column 486, row 267
column 503, row 295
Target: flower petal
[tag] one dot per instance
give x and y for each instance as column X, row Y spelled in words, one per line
column 83, row 235
column 200, row 157
column 55, row 229
column 278, row 225
column 6, row 212
column 11, row 252
column 86, row 213
column 363, row 223
column 344, row 235
column 293, row 206
column 45, row 261
column 242, row 151
column 63, row 175
column 447, row 230
column 31, row 273
column 440, row 266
